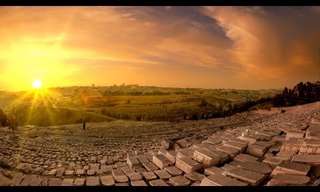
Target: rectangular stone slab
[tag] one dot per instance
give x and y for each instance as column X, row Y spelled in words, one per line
column 67, row 182
column 251, row 177
column 187, row 152
column 92, row 181
column 79, row 182
column 179, row 181
column 295, row 134
column 161, row 161
column 257, row 150
column 119, row 176
column 272, row 161
column 291, row 179
column 194, row 176
column 258, row 167
column 174, row 171
column 149, row 175
column 236, row 145
column 221, row 180
column 150, row 166
column 308, row 159
column 107, row 180
column 213, row 171
column 158, row 182
column 249, row 139
column 162, row 174
column 291, row 168
column 245, row 158
column 232, row 152
column 132, row 161
column 171, row 155
column 187, row 164
column 138, row 183
column 206, row 157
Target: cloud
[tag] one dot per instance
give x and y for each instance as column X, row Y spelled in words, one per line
column 275, row 45
column 211, row 47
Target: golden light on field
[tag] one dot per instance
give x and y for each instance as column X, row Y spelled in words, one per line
column 37, row 84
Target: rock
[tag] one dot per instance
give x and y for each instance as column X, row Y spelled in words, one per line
column 107, row 180
column 4, row 181
column 295, row 134
column 253, row 166
column 258, row 149
column 54, row 182
column 92, row 181
column 80, row 172
column 251, row 177
column 167, row 144
column 292, row 145
column 31, row 180
column 67, row 182
column 291, row 168
column 286, row 155
column 308, row 159
column 135, row 176
column 149, row 175
column 187, row 165
column 206, row 157
column 184, row 143
column 60, row 172
column 79, row 182
column 158, row 182
column 272, row 161
column 250, row 140
column 172, row 170
column 220, row 180
column 232, row 152
column 213, row 171
column 91, row 172
column 161, row 161
column 150, row 166
column 162, row 174
column 171, row 155
column 213, row 140
column 69, row 173
column 286, row 179
column 245, row 158
column 121, row 184
column 237, row 145
column 187, row 152
column 310, row 146
column 132, row 161
column 194, row 176
column 119, row 176
column 138, row 183
column 179, row 181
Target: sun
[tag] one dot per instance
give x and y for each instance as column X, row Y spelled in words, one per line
column 37, row 84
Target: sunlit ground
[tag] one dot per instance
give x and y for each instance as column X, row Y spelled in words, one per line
column 37, row 96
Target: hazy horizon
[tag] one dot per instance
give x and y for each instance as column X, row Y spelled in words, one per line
column 182, row 47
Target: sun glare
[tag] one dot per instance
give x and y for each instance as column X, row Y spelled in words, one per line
column 37, row 84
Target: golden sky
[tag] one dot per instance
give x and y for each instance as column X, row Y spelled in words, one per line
column 208, row 47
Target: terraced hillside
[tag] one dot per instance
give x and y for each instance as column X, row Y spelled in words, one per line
column 264, row 147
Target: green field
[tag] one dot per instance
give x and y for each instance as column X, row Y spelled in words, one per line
column 132, row 102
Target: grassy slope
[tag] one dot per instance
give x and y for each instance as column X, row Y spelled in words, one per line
column 134, row 103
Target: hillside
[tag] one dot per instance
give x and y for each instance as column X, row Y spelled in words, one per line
column 129, row 102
